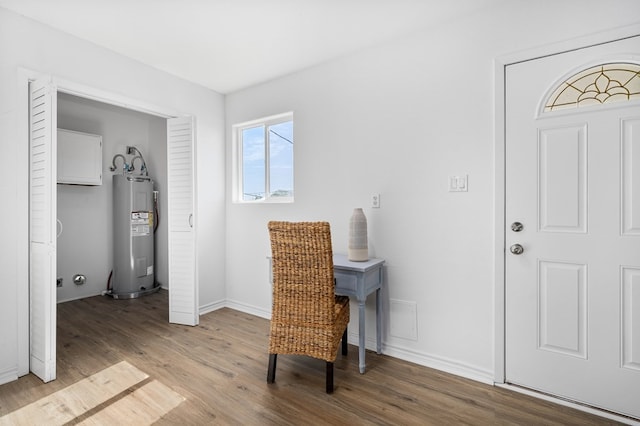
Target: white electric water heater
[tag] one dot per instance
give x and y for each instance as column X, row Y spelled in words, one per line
column 133, row 246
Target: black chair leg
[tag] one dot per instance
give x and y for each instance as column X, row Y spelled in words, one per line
column 329, row 377
column 344, row 343
column 271, row 373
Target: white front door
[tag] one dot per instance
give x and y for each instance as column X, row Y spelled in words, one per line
column 573, row 183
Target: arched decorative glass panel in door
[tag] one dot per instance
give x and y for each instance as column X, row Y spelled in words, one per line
column 597, row 85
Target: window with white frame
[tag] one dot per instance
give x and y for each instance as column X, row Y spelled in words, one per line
column 264, row 159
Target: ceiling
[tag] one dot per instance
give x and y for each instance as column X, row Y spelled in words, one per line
column 227, row 45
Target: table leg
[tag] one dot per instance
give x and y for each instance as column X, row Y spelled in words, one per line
column 378, row 322
column 361, row 324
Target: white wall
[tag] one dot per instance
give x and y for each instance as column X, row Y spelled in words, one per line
column 30, row 45
column 86, row 212
column 397, row 120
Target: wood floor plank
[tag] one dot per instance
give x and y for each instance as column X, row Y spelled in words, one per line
column 144, row 406
column 75, row 400
column 220, row 369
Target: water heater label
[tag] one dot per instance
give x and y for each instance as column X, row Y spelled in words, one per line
column 139, row 230
column 141, row 223
column 140, row 217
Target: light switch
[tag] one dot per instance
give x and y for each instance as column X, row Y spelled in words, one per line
column 458, row 183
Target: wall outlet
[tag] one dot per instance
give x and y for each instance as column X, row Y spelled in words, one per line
column 59, row 282
column 375, row 201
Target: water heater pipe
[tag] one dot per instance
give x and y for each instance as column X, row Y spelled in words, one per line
column 131, row 150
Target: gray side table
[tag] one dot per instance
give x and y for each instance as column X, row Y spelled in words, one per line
column 359, row 280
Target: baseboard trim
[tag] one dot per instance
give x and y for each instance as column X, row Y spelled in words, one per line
column 439, row 363
column 580, row 407
column 84, row 296
column 210, row 307
column 232, row 304
column 8, row 375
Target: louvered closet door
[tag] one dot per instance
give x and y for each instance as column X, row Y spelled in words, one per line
column 183, row 285
column 42, row 225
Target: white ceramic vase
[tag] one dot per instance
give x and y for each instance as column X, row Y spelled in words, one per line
column 358, row 244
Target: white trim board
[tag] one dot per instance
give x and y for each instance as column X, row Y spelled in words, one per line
column 111, row 98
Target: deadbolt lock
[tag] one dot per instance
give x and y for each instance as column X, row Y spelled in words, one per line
column 517, row 226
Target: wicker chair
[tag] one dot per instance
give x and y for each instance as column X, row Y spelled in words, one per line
column 307, row 317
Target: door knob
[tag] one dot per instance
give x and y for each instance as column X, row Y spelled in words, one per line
column 516, row 249
column 517, row 226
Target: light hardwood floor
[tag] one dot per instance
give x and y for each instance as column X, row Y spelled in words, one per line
column 220, row 368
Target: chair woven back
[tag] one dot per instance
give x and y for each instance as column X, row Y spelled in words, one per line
column 304, row 318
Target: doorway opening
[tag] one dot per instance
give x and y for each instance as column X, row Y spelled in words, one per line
column 85, row 231
column 37, row 335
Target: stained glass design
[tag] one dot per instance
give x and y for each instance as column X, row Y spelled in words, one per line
column 597, row 85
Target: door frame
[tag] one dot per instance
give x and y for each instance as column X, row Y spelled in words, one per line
column 499, row 178
column 25, row 76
